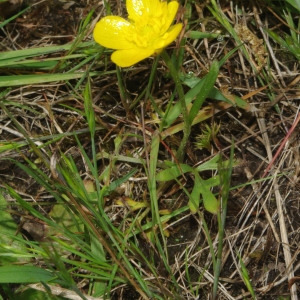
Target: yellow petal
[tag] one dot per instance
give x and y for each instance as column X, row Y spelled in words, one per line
column 113, row 32
column 129, row 57
column 135, row 9
column 143, row 8
column 171, row 13
column 168, row 37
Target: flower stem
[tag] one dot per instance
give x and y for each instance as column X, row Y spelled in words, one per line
column 185, row 115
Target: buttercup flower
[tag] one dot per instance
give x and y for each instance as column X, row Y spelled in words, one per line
column 147, row 31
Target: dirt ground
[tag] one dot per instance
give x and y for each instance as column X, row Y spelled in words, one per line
column 257, row 132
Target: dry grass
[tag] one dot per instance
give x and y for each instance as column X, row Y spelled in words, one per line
column 263, row 210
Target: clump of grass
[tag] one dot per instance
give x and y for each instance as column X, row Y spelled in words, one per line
column 289, row 42
column 208, row 135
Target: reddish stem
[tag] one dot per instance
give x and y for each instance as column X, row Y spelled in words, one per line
column 282, row 145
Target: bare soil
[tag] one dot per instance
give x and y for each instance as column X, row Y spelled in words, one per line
column 252, row 226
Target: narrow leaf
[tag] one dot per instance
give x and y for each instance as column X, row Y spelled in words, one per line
column 24, row 274
column 208, row 84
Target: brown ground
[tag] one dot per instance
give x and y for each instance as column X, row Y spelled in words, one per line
column 254, row 210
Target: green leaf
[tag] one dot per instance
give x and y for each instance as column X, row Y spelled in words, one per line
column 6, row 81
column 175, row 111
column 202, row 189
column 62, row 215
column 21, row 56
column 246, row 277
column 97, row 249
column 194, row 200
column 191, row 81
column 208, row 84
column 289, row 44
column 88, row 107
column 24, row 274
column 295, row 3
column 210, row 202
column 11, row 250
column 173, row 172
column 213, row 181
column 202, row 35
column 197, row 85
column 2, row 24
column 211, row 164
column 115, row 184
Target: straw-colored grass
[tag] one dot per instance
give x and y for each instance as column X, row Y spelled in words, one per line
column 177, row 178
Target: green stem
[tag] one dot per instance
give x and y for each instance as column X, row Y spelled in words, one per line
column 185, row 115
column 217, row 266
column 225, row 177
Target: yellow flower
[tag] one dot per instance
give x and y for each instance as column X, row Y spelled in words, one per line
column 147, row 32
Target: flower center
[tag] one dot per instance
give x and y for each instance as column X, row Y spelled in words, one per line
column 147, row 30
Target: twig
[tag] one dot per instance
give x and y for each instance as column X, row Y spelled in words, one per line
column 282, row 145
column 279, row 202
column 61, row 292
